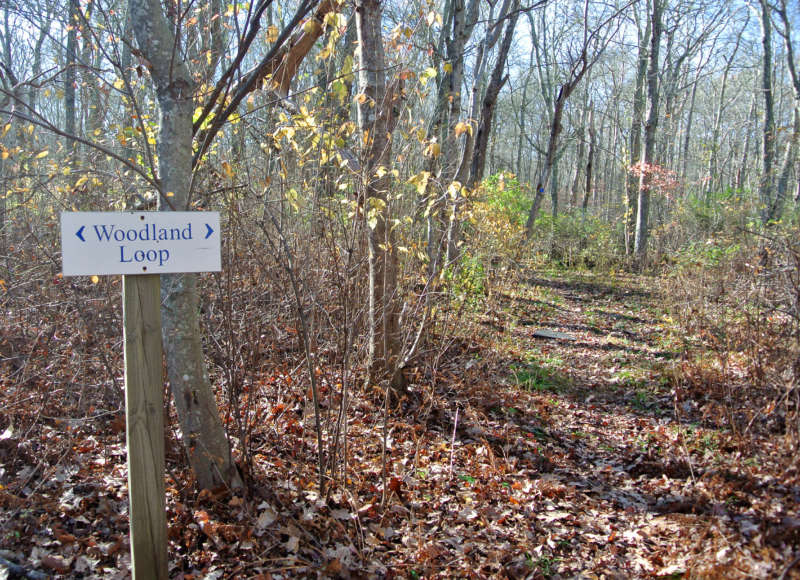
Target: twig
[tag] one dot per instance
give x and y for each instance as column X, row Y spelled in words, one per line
column 288, row 266
column 791, row 565
column 384, row 495
column 453, row 443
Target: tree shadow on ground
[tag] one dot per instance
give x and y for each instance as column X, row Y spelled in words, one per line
column 595, row 289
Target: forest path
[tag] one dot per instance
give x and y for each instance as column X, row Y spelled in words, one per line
column 575, row 412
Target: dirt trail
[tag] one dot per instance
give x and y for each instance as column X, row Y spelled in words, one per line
column 617, row 478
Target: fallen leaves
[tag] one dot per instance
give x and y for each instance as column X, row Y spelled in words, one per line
column 580, row 471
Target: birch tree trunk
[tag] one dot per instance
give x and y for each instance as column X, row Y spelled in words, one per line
column 204, row 438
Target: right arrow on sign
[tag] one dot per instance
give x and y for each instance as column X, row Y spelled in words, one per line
column 209, row 231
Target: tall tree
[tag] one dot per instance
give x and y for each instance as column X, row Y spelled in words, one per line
column 766, row 183
column 496, row 82
column 648, row 161
column 637, row 121
column 458, row 24
column 594, row 42
column 790, row 153
column 203, row 435
column 713, row 181
column 376, row 121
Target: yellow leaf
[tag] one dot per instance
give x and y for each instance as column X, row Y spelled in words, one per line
column 361, row 98
column 428, row 73
column 226, row 167
column 119, row 84
column 311, row 26
column 462, row 128
column 170, row 194
column 81, row 181
column 433, row 150
column 95, row 279
column 272, row 33
column 4, row 155
column 448, row 67
column 44, row 153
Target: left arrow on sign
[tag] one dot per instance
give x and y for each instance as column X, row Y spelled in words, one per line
column 79, row 233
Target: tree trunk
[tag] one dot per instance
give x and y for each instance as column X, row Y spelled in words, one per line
column 70, row 79
column 788, row 163
column 741, row 173
column 489, row 101
column 637, row 120
column 587, row 187
column 461, row 20
column 580, row 154
column 713, row 160
column 376, row 119
column 790, row 153
column 648, row 161
column 688, row 132
column 579, row 69
column 204, row 437
column 766, row 187
column 479, row 79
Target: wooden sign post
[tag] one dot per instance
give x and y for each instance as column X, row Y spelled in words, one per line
column 144, row 424
column 141, row 246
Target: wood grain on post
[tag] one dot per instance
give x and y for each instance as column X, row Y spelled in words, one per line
column 144, row 414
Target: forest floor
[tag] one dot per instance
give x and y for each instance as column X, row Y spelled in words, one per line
column 522, row 454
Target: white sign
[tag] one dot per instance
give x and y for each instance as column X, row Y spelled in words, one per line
column 139, row 242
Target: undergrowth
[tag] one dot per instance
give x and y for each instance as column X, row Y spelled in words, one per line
column 740, row 313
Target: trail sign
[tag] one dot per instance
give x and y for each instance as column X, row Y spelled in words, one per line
column 149, row 243
column 139, row 242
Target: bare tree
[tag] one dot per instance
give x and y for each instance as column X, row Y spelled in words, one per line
column 790, row 153
column 594, row 42
column 637, row 121
column 766, row 184
column 204, row 437
column 648, row 158
column 376, row 121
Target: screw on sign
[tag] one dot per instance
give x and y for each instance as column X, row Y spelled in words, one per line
column 141, row 246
